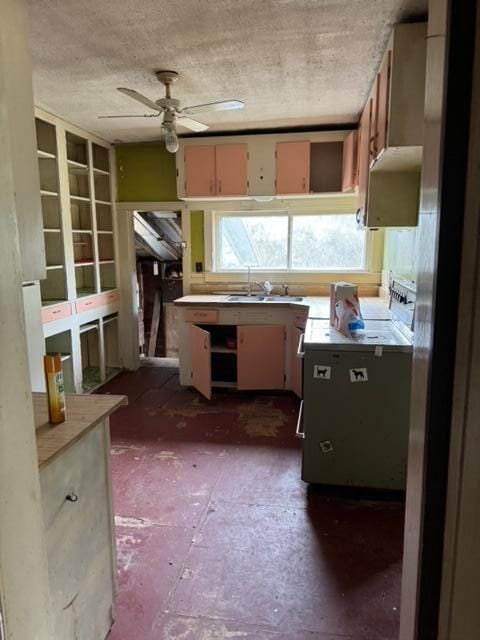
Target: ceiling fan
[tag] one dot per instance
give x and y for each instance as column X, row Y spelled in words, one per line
column 171, row 110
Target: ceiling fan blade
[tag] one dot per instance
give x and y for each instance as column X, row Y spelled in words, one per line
column 139, row 98
column 188, row 123
column 137, row 115
column 224, row 105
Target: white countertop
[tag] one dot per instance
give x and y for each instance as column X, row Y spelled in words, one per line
column 316, row 306
column 377, row 333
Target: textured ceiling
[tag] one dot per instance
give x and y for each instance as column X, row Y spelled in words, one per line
column 293, row 62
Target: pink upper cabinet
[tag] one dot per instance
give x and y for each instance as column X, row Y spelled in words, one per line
column 261, row 357
column 231, row 169
column 200, row 171
column 201, row 361
column 293, row 167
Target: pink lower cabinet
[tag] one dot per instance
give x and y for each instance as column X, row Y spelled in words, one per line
column 261, row 357
column 201, row 361
column 237, row 357
column 296, row 361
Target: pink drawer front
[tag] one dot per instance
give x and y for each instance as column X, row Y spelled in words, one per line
column 300, row 319
column 87, row 305
column 200, row 315
column 57, row 312
column 111, row 297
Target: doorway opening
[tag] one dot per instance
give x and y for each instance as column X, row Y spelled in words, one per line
column 159, row 248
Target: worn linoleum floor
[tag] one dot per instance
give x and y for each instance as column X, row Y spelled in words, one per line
column 218, row 537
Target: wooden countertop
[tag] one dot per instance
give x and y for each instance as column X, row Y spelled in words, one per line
column 84, row 412
column 316, row 306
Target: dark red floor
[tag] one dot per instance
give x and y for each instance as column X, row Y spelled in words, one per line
column 219, row 538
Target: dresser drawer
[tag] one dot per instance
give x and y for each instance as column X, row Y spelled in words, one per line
column 200, row 315
column 110, row 297
column 87, row 305
column 57, row 312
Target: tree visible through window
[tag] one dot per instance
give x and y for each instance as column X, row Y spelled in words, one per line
column 302, row 242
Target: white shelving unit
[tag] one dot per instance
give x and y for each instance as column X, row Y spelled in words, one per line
column 80, row 299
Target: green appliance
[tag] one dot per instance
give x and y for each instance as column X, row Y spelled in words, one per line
column 356, row 406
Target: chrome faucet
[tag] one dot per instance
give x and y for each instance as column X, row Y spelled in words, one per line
column 266, row 287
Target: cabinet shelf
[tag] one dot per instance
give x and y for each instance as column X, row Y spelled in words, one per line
column 80, row 198
column 77, row 167
column 105, row 203
column 224, row 383
column 106, row 261
column 83, row 263
column 84, row 292
column 82, row 231
column 101, row 172
column 51, row 230
column 42, row 155
column 222, row 349
column 48, row 194
column 88, row 327
column 105, row 232
column 51, row 267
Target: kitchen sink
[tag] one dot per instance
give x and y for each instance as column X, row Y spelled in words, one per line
column 260, row 298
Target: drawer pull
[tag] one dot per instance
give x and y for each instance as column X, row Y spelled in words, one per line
column 72, row 497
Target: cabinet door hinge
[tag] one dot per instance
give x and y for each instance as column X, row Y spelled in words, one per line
column 177, row 173
column 248, row 183
column 248, row 155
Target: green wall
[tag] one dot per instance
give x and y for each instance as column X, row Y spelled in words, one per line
column 197, row 238
column 146, row 172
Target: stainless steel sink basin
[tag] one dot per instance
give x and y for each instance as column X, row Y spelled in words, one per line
column 245, row 298
column 260, row 298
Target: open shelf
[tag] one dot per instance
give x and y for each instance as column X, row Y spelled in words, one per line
column 101, row 161
column 61, row 343
column 52, row 218
column 90, row 355
column 48, row 175
column 107, row 276
column 46, row 139
column 54, row 249
column 53, row 289
column 102, row 187
column 76, row 149
column 82, row 249
column 105, row 248
column 81, row 216
column 85, row 279
column 86, row 291
column 224, row 384
column 104, row 217
column 79, row 185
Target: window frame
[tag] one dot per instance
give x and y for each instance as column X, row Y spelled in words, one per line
column 289, row 213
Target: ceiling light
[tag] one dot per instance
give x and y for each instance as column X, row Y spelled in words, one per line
column 171, row 140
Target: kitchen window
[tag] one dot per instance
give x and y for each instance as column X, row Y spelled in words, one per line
column 288, row 241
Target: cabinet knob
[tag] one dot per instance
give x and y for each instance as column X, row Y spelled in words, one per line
column 72, row 497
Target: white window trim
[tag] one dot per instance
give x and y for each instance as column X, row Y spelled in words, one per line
column 292, row 275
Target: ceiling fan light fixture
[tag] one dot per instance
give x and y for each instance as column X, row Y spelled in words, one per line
column 171, row 140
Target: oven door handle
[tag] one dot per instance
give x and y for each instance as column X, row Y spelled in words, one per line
column 300, row 429
column 300, row 350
